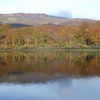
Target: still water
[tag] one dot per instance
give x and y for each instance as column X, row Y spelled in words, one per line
column 50, row 75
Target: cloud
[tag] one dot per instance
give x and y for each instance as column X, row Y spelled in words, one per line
column 64, row 13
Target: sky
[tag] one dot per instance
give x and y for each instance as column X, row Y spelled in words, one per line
column 62, row 8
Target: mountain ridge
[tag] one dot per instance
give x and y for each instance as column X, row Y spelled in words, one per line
column 40, row 19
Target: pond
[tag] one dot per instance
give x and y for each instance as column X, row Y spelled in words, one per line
column 50, row 75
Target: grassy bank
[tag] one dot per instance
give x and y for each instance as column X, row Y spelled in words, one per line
column 51, row 49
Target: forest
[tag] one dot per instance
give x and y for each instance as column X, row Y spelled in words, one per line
column 83, row 36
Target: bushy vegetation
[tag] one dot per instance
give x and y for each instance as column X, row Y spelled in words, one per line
column 85, row 35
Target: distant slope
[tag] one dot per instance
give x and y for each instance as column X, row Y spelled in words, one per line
column 0, row 23
column 38, row 19
column 18, row 25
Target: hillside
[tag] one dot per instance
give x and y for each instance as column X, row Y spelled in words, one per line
column 22, row 19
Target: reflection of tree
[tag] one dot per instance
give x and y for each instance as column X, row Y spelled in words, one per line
column 66, row 63
column 89, row 57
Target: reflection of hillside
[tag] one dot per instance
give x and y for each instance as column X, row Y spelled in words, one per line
column 49, row 63
column 31, row 78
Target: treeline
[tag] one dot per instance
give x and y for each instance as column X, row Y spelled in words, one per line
column 85, row 35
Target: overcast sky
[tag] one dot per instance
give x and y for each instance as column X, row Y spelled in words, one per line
column 64, row 8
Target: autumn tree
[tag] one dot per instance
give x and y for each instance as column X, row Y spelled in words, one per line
column 81, row 35
column 94, row 35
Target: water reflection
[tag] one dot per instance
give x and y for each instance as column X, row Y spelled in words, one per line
column 62, row 89
column 28, row 67
column 49, row 75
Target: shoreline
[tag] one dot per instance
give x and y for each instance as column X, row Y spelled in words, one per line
column 50, row 49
